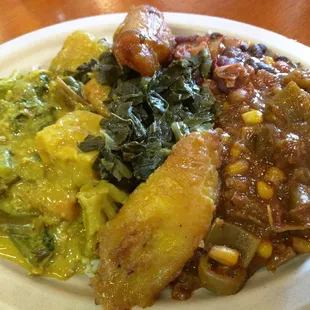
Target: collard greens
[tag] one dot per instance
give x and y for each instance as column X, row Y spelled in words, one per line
column 148, row 115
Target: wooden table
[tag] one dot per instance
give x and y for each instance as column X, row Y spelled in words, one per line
column 288, row 17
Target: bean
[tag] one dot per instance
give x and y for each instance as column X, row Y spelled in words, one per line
column 263, row 66
column 244, row 47
column 257, row 50
column 185, row 39
column 224, row 61
column 231, row 52
column 263, row 47
column 215, row 35
column 221, row 85
column 251, row 62
column 281, row 58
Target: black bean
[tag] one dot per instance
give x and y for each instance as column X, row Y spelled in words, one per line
column 251, row 62
column 263, row 66
column 221, row 85
column 185, row 39
column 281, row 58
column 257, row 50
column 215, row 35
column 244, row 47
column 263, row 47
column 231, row 52
column 224, row 61
column 293, row 64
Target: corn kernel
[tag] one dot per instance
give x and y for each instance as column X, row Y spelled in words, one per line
column 264, row 190
column 300, row 245
column 236, row 150
column 268, row 60
column 252, row 117
column 224, row 255
column 265, row 249
column 239, row 167
column 274, row 175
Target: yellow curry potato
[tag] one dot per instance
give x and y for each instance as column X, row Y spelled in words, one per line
column 96, row 94
column 159, row 227
column 78, row 48
column 57, row 146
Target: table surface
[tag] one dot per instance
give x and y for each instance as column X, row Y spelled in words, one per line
column 287, row 17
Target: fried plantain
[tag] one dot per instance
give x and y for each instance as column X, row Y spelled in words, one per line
column 158, row 229
column 143, row 41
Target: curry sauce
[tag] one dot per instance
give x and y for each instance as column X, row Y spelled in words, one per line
column 41, row 167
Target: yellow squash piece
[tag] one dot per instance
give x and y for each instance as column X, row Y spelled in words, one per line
column 78, row 48
column 159, row 227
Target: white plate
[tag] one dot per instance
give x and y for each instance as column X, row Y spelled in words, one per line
column 287, row 289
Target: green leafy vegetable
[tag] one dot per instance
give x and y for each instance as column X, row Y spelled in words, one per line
column 105, row 68
column 148, row 115
column 7, row 83
column 36, row 249
column 24, row 225
column 7, row 173
column 23, row 102
column 91, row 143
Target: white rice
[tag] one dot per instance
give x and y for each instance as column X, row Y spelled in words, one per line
column 91, row 266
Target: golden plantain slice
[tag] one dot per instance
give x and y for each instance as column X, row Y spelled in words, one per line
column 157, row 230
column 143, row 41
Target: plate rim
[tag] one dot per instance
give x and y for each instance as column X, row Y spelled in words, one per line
column 166, row 14
column 180, row 19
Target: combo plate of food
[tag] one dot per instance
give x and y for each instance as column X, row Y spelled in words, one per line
column 154, row 160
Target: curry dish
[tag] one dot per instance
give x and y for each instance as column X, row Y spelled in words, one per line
column 155, row 161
